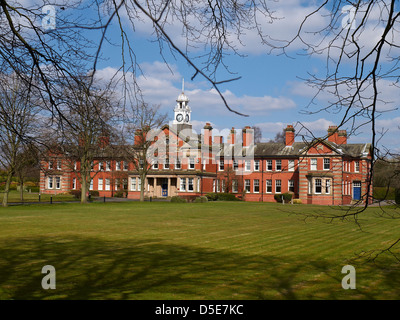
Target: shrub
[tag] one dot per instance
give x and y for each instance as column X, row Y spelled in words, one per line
column 397, row 196
column 384, row 193
column 227, row 197
column 201, row 199
column 94, row 193
column 212, row 196
column 119, row 194
column 178, row 199
column 286, row 196
column 297, row 201
column 76, row 193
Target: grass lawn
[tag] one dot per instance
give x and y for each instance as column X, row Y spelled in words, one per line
column 14, row 197
column 224, row 250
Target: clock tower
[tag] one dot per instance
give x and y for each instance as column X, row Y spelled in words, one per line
column 182, row 111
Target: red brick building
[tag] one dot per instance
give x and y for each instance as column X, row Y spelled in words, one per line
column 323, row 171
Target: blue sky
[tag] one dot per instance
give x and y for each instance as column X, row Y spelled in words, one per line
column 270, row 90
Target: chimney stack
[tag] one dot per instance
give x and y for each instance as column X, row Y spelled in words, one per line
column 247, row 136
column 289, row 135
column 231, row 137
column 333, row 134
column 207, row 136
column 342, row 137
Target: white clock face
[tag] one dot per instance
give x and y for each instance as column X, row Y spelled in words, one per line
column 187, row 118
column 179, row 117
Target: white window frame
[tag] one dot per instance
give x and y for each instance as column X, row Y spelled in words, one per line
column 108, row 165
column 117, row 165
column 155, row 166
column 268, row 183
column 125, row 166
column 278, row 184
column 235, row 185
column 50, row 184
column 166, row 164
column 247, row 185
column 139, row 184
column 58, row 183
column 327, row 161
column 247, row 165
column 178, row 164
column 291, row 185
column 191, row 164
column 256, row 184
column 328, row 186
column 182, row 186
column 318, row 184
column 91, row 184
column 221, row 165
column 58, row 164
column 313, row 164
column 291, row 165
column 73, row 183
column 279, row 161
column 108, row 184
column 256, row 165
column 357, row 166
column 190, row 184
column 269, row 166
column 100, row 184
column 133, row 184
column 235, row 165
column 50, row 165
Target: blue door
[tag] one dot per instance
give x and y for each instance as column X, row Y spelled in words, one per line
column 164, row 188
column 356, row 190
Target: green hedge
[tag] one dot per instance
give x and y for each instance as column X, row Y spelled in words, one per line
column 201, row 199
column 286, row 196
column 221, row 197
column 178, row 199
column 397, row 196
column 384, row 193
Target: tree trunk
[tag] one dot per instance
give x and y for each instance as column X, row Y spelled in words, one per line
column 21, row 189
column 142, row 182
column 84, row 189
column 7, row 189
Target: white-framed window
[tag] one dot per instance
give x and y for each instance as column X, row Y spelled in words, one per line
column 291, row 185
column 269, row 165
column 108, row 166
column 313, row 164
column 247, row 165
column 139, row 184
column 126, row 166
column 213, row 186
column 50, row 165
column 133, row 184
column 117, row 165
column 256, row 186
column 278, row 165
column 73, row 183
column 247, row 185
column 217, row 185
column 116, row 184
column 327, row 164
column 155, row 166
column 318, row 186
column 268, row 186
column 235, row 165
column 125, row 183
column 222, row 185
column 327, row 186
column 198, row 184
column 75, row 165
column 191, row 163
column 50, row 182
column 141, row 163
column 221, row 165
column 101, row 166
column 166, row 164
column 291, row 165
column 183, row 184
column 234, row 186
column 177, row 164
column 357, row 166
column 91, row 184
column 100, row 184
column 256, row 165
column 58, row 183
column 190, row 185
column 108, row 184
column 310, row 186
column 58, row 164
column 278, row 186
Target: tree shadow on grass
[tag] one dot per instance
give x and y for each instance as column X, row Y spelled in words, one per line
column 90, row 268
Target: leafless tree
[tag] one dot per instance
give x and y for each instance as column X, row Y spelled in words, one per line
column 141, row 132
column 17, row 125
